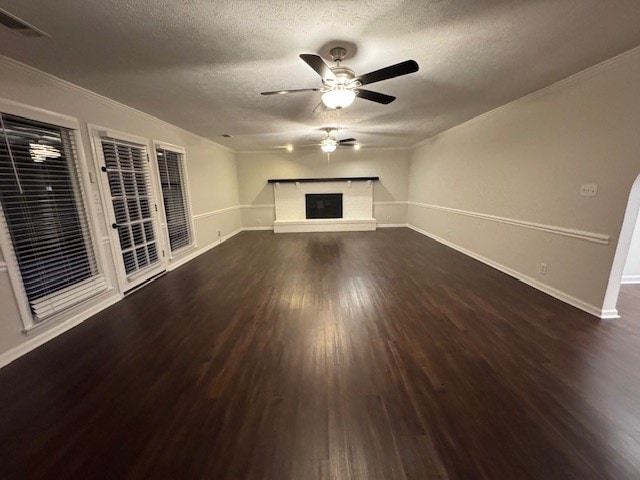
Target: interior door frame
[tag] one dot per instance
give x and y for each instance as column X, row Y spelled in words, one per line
column 96, row 134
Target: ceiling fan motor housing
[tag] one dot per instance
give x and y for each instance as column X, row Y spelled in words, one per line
column 343, row 74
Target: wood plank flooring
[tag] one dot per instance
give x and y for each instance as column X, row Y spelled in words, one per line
column 354, row 356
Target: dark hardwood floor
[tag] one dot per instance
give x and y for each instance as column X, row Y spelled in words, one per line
column 341, row 356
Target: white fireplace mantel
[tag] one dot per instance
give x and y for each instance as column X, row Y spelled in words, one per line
column 357, row 204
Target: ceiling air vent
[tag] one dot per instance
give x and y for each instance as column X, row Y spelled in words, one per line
column 19, row 26
column 226, row 135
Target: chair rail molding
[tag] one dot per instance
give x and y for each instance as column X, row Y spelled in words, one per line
column 592, row 237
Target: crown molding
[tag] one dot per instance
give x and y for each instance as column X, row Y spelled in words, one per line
column 59, row 82
column 571, row 79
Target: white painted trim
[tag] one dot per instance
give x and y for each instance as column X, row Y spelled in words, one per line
column 630, row 279
column 76, row 89
column 392, row 225
column 566, row 232
column 39, row 114
column 400, row 202
column 188, row 258
column 3, row 267
column 565, row 297
column 576, row 77
column 610, row 314
column 260, row 205
column 215, row 212
column 157, row 144
column 55, row 330
column 251, row 229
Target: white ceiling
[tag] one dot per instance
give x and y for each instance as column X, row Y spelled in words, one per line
column 201, row 64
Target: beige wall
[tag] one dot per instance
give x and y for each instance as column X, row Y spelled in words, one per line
column 632, row 266
column 526, row 161
column 390, row 193
column 211, row 169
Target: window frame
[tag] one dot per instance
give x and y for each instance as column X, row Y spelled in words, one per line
column 84, row 182
column 165, row 227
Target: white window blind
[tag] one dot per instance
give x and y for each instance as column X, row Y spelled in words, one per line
column 174, row 196
column 44, row 215
column 126, row 165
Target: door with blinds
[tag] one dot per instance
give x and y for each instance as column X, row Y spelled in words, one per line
column 126, row 176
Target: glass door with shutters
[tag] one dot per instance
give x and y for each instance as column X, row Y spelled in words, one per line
column 135, row 220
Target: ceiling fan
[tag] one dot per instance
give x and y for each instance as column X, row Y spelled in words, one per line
column 329, row 143
column 340, row 85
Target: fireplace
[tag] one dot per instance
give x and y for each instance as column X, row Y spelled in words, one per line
column 324, row 205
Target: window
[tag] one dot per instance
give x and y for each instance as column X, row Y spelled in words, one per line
column 174, row 196
column 44, row 216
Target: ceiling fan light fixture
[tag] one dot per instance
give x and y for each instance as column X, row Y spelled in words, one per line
column 328, row 145
column 338, row 97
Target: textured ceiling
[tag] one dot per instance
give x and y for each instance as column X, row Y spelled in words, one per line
column 201, row 64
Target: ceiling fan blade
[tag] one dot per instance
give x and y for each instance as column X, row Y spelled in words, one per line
column 321, row 107
column 402, row 68
column 346, row 141
column 319, row 65
column 375, row 96
column 284, row 92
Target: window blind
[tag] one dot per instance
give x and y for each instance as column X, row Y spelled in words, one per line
column 126, row 165
column 174, row 196
column 44, row 215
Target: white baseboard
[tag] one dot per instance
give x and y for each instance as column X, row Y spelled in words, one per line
column 392, row 225
column 630, row 279
column 532, row 282
column 252, row 229
column 188, row 258
column 49, row 334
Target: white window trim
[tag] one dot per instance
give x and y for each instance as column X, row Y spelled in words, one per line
column 13, row 270
column 181, row 150
column 96, row 134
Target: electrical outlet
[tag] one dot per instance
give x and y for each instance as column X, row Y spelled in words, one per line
column 219, row 232
column 543, row 268
column 589, row 190
column 388, row 217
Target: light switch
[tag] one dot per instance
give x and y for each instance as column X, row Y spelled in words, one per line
column 589, row 190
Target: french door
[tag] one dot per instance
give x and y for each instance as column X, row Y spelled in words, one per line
column 134, row 229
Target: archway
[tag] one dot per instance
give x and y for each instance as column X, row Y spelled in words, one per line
column 609, row 309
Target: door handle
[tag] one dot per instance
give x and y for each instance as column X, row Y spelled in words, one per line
column 114, row 225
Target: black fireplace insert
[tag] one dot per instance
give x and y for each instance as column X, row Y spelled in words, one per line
column 324, row 205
